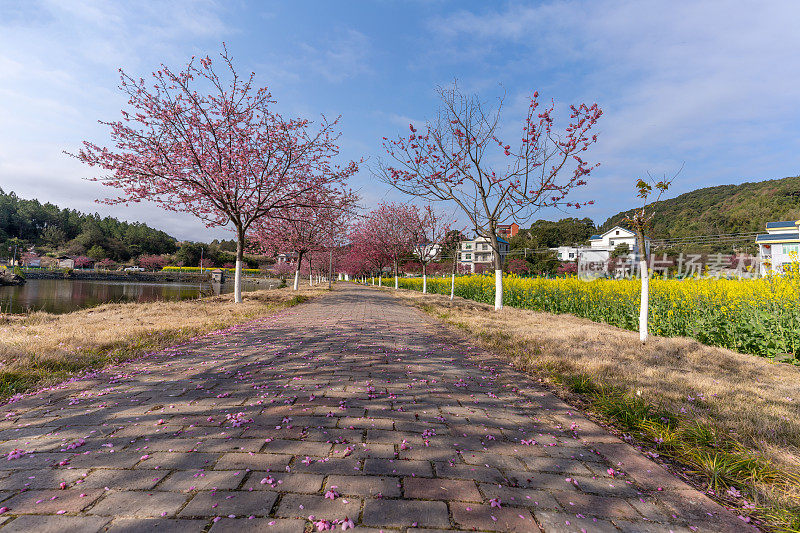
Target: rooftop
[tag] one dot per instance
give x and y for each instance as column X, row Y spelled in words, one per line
column 783, row 224
column 773, row 237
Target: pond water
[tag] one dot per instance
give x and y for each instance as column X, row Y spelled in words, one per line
column 63, row 295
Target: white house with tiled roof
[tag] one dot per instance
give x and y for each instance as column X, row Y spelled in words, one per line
column 601, row 247
column 779, row 246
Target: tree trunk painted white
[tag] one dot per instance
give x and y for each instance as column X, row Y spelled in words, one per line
column 645, row 300
column 373, row 281
column 424, row 280
column 296, row 285
column 498, row 289
column 380, row 280
column 452, row 285
column 396, row 279
column 237, row 278
column 237, row 282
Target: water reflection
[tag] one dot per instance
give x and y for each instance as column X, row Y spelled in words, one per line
column 63, row 296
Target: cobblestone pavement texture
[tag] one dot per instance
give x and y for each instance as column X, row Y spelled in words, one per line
column 352, row 407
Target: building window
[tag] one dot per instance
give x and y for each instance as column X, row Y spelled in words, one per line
column 485, row 247
column 467, row 256
column 572, row 256
column 611, row 242
column 617, row 233
column 468, row 247
column 790, row 249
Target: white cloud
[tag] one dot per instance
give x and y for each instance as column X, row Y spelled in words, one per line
column 712, row 83
column 339, row 56
column 60, row 59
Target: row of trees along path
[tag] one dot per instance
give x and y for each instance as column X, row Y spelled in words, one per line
column 392, row 232
column 192, row 141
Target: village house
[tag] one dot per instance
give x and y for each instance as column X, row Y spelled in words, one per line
column 286, row 257
column 31, row 260
column 779, row 246
column 65, row 262
column 477, row 254
column 596, row 256
column 508, row 231
column 566, row 253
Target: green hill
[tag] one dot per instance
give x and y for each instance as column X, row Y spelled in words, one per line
column 52, row 229
column 723, row 209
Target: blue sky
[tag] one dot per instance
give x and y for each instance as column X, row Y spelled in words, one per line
column 711, row 85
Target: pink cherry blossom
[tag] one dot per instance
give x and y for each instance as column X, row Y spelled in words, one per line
column 167, row 149
column 16, row 453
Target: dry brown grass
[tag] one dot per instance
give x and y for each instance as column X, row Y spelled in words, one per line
column 748, row 406
column 751, row 399
column 42, row 348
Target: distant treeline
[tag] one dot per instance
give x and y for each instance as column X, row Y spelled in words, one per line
column 70, row 232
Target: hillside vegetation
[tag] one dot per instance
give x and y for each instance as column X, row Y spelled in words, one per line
column 740, row 208
column 68, row 231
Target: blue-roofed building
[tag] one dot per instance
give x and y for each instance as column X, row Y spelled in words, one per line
column 779, row 246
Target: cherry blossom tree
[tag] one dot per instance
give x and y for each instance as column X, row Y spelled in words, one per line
column 106, row 263
column 427, row 230
column 365, row 250
column 213, row 147
column 386, row 231
column 518, row 266
column 81, row 261
column 567, row 269
column 152, row 262
column 304, row 230
column 460, row 158
column 282, row 269
column 354, row 262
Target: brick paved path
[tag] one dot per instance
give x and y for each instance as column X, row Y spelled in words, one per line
column 354, row 395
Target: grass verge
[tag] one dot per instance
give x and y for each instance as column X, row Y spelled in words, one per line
column 726, row 422
column 42, row 349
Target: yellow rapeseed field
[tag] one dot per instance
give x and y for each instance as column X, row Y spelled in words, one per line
column 754, row 316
